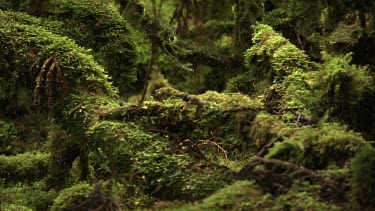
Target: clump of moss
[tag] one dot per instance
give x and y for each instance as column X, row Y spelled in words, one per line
column 98, row 26
column 241, row 195
column 303, row 197
column 35, row 48
column 340, row 86
column 21, row 196
column 284, row 58
column 27, row 167
column 319, row 147
column 72, row 197
column 102, row 29
column 84, row 196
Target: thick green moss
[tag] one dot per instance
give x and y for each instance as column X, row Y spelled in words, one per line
column 156, row 168
column 28, row 167
column 279, row 56
column 71, row 198
column 27, row 47
column 21, row 196
column 319, row 147
column 100, row 27
column 242, row 195
column 340, row 86
column 91, row 24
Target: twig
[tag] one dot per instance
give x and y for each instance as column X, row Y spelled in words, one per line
column 265, row 149
column 218, row 146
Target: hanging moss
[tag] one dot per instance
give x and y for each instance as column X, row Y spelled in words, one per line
column 273, row 51
column 340, row 87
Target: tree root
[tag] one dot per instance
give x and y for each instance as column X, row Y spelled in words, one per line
column 47, row 83
column 278, row 176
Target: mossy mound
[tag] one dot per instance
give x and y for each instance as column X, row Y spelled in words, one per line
column 93, row 25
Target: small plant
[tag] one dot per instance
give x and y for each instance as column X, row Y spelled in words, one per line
column 8, row 135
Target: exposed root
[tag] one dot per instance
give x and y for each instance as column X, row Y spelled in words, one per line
column 278, row 176
column 48, row 83
column 218, row 146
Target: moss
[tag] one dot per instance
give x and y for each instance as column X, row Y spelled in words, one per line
column 241, row 195
column 316, row 148
column 27, row 167
column 100, row 27
column 116, row 143
column 157, row 169
column 28, row 46
column 273, row 50
column 30, row 197
column 340, row 86
column 71, row 198
column 303, row 197
column 84, row 196
column 267, row 127
column 363, row 183
column 201, row 183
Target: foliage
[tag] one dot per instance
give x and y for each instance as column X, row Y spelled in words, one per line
column 117, row 143
column 101, row 29
column 163, row 174
column 84, row 196
column 127, row 149
column 242, row 83
column 8, row 135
